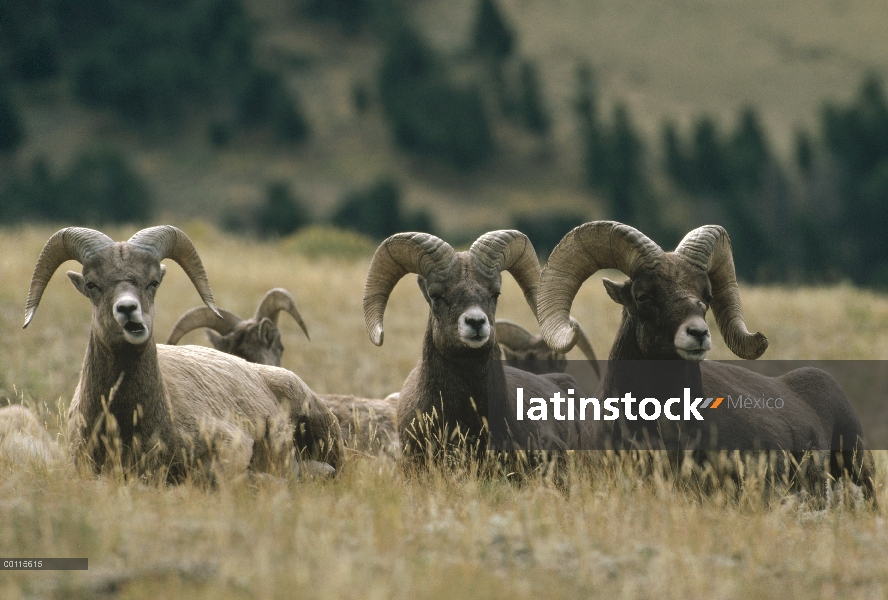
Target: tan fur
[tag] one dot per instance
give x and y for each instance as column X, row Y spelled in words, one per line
column 24, row 441
column 368, row 425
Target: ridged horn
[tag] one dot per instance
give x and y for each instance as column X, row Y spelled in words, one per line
column 585, row 345
column 201, row 316
column 274, row 302
column 71, row 243
column 166, row 241
column 510, row 250
column 512, row 334
column 581, row 253
column 709, row 248
column 402, row 253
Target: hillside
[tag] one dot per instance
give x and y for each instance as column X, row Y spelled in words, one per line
column 675, row 61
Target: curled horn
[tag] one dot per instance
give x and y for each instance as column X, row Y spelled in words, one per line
column 510, row 250
column 583, row 251
column 709, row 248
column 512, row 334
column 402, row 253
column 585, row 345
column 201, row 316
column 166, row 241
column 274, row 302
column 71, row 243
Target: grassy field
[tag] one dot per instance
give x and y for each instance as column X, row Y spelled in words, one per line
column 373, row 533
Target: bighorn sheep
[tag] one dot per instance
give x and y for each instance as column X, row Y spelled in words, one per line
column 24, row 441
column 665, row 301
column 173, row 409
column 458, row 377
column 256, row 340
column 528, row 351
column 368, row 425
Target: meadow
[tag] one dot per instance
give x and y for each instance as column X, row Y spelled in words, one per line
column 375, row 533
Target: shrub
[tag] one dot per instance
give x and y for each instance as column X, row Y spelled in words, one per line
column 103, row 187
column 429, row 114
column 546, row 228
column 282, row 213
column 322, row 240
column 376, row 211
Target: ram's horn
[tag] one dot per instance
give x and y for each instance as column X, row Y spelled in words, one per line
column 71, row 243
column 709, row 248
column 402, row 253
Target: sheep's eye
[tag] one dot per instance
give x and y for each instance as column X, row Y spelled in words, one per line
column 154, row 284
column 642, row 298
column 91, row 286
column 437, row 298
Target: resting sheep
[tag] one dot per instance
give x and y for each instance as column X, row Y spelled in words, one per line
column 367, row 425
column 174, row 410
column 24, row 441
column 459, row 378
column 257, row 340
column 524, row 350
column 664, row 302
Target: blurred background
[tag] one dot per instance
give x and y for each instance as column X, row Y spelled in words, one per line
column 274, row 118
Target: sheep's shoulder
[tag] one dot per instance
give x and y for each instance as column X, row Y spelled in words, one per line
column 208, row 382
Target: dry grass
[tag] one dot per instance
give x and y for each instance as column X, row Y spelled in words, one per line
column 374, row 533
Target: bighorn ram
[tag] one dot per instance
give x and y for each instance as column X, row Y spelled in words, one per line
column 367, row 424
column 458, row 377
column 174, row 409
column 256, row 340
column 528, row 351
column 665, row 301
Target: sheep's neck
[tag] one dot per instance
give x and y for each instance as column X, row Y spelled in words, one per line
column 460, row 386
column 128, row 381
column 650, row 378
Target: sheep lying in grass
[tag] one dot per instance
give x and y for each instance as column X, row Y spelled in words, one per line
column 459, row 378
column 368, row 425
column 664, row 302
column 528, row 351
column 257, row 340
column 24, row 441
column 167, row 409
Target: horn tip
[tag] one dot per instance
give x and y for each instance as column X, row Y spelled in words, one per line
column 563, row 339
column 377, row 335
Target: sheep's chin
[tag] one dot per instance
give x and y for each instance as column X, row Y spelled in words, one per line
column 695, row 355
column 475, row 342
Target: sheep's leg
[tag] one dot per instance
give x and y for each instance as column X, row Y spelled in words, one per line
column 316, row 432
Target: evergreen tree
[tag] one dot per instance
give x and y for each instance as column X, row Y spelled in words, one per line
column 748, row 153
column 492, row 37
column 282, row 213
column 533, row 114
column 12, row 132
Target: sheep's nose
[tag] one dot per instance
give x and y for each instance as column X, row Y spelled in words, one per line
column 700, row 333
column 475, row 322
column 126, row 306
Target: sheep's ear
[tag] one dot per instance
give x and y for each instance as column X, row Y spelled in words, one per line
column 267, row 331
column 217, row 340
column 78, row 281
column 424, row 287
column 163, row 271
column 621, row 293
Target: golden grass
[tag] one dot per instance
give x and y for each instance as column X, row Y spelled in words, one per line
column 374, row 533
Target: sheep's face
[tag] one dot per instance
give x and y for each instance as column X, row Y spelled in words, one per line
column 666, row 306
column 121, row 282
column 462, row 307
column 535, row 356
column 254, row 341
